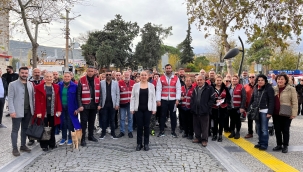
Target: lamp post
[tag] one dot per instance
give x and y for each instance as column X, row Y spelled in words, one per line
column 235, row 51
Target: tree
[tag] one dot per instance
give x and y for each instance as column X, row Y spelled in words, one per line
column 112, row 45
column 148, row 50
column 286, row 60
column 187, row 53
column 202, row 62
column 34, row 13
column 277, row 18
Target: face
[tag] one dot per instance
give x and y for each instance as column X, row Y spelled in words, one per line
column 261, row 82
column 181, row 73
column 48, row 77
column 90, row 72
column 37, row 73
column 218, row 81
column 244, row 74
column 235, row 81
column 156, row 77
column 188, row 82
column 212, row 74
column 0, row 72
column 252, row 79
column 9, row 70
column 202, row 72
column 168, row 70
column 227, row 81
column 126, row 76
column 56, row 75
column 228, row 76
column 301, row 81
column 67, row 77
column 118, row 76
column 281, row 81
column 102, row 76
column 273, row 76
column 23, row 74
column 200, row 81
column 129, row 70
column 143, row 76
column 108, row 76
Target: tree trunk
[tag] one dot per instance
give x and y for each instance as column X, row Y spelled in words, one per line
column 34, row 54
column 226, row 48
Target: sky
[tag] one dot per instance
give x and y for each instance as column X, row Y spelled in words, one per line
column 96, row 13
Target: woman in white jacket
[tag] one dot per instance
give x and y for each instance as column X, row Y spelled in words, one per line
column 143, row 104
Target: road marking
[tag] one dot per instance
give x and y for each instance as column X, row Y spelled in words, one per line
column 226, row 159
column 267, row 159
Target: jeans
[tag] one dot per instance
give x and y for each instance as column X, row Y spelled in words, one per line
column 123, row 112
column 168, row 106
column 108, row 113
column 66, row 124
column 15, row 129
column 143, row 121
column 262, row 129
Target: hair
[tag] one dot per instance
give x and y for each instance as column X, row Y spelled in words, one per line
column 36, row 69
column 203, row 76
column 46, row 72
column 157, row 74
column 283, row 75
column 236, row 76
column 168, row 65
column 181, row 69
column 21, row 68
column 91, row 67
column 218, row 76
column 11, row 67
column 261, row 76
column 68, row 72
column 188, row 77
column 108, row 70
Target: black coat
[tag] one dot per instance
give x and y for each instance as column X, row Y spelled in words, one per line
column 299, row 89
column 228, row 96
column 206, row 101
column 14, row 76
column 267, row 100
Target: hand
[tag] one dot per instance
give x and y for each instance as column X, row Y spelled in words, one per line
column 182, row 98
column 153, row 112
column 158, row 103
column 242, row 110
column 268, row 115
column 59, row 114
column 132, row 112
column 117, row 107
column 292, row 117
column 81, row 109
column 39, row 115
column 99, row 107
column 177, row 102
column 76, row 112
column 217, row 101
column 13, row 115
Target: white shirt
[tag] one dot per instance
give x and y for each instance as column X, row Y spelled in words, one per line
column 1, row 88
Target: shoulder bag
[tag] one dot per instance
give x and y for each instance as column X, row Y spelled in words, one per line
column 253, row 112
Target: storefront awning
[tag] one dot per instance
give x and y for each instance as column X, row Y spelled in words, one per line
column 5, row 56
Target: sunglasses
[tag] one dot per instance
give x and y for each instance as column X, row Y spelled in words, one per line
column 251, row 77
column 227, row 81
column 108, row 74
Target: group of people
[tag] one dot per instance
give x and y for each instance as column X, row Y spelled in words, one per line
column 208, row 104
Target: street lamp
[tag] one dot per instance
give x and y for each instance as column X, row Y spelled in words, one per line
column 235, row 51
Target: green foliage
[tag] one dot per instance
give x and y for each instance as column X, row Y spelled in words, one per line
column 286, row 60
column 148, row 51
column 14, row 63
column 201, row 62
column 112, row 45
column 192, row 67
column 169, row 49
column 260, row 52
column 187, row 53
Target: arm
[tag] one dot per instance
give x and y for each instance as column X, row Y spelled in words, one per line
column 251, row 99
column 271, row 100
column 10, row 96
column 154, row 102
column 178, row 90
column 79, row 94
column 117, row 95
column 159, row 89
column 58, row 102
column 100, row 97
column 132, row 100
column 243, row 98
column 294, row 103
column 211, row 99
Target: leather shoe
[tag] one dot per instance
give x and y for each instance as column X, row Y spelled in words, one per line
column 16, row 152
column 214, row 138
column 130, row 135
column 257, row 146
column 220, row 138
column 92, row 138
column 196, row 141
column 232, row 135
column 120, row 135
column 45, row 149
column 139, row 147
column 31, row 142
column 204, row 143
column 184, row 135
column 83, row 143
column 277, row 148
column 248, row 136
column 284, row 149
column 237, row 135
column 25, row 149
column 146, row 148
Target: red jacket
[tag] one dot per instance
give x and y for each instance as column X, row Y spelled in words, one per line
column 40, row 102
column 125, row 91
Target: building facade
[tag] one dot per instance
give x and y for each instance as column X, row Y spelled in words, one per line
column 4, row 39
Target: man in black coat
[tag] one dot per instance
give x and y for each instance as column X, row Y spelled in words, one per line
column 10, row 76
column 201, row 103
column 299, row 89
column 3, row 94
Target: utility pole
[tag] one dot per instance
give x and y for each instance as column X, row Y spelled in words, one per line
column 67, row 33
column 298, row 61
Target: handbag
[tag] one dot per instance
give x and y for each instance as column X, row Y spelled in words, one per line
column 47, row 133
column 35, row 131
column 285, row 110
column 253, row 113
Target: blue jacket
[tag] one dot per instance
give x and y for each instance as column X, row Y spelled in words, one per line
column 72, row 103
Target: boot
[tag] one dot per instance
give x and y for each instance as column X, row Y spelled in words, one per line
column 232, row 134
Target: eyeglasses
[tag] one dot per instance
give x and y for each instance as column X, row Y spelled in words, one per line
column 108, row 74
column 251, row 77
column 227, row 81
